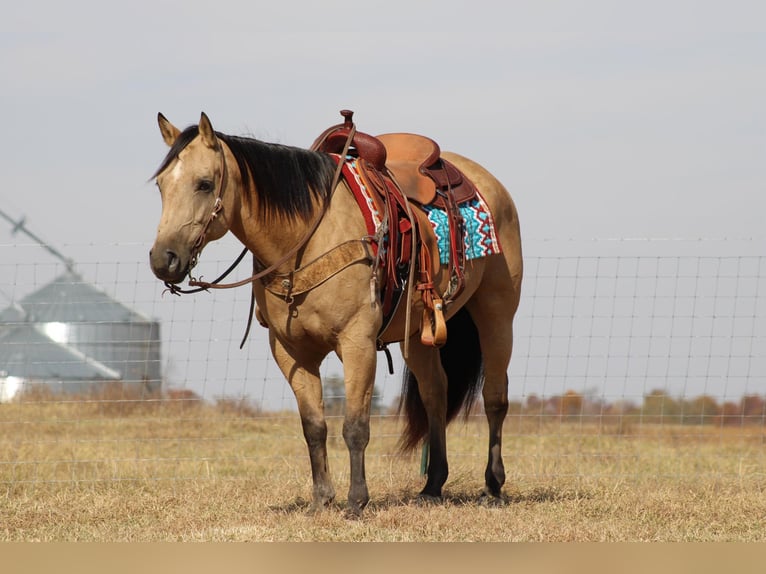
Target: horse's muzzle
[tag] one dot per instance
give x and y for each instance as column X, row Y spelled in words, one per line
column 168, row 265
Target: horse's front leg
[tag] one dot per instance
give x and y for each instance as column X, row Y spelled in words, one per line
column 359, row 361
column 303, row 376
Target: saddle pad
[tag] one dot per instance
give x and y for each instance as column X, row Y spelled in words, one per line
column 480, row 239
column 373, row 219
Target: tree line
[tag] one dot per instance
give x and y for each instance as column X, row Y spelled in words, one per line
column 657, row 407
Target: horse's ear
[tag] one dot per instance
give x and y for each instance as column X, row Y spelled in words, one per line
column 206, row 132
column 169, row 131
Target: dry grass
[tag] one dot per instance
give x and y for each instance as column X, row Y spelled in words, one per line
column 182, row 470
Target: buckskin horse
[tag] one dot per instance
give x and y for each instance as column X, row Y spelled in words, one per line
column 347, row 259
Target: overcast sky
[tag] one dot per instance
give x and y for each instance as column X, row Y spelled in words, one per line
column 604, row 119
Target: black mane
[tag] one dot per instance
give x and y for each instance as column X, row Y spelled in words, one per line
column 287, row 179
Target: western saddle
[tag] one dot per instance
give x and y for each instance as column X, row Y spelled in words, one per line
column 402, row 168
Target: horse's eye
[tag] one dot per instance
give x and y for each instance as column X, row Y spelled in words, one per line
column 205, row 186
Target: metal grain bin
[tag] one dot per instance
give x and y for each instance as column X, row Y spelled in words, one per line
column 71, row 318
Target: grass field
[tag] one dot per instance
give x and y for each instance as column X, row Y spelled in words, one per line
column 160, row 471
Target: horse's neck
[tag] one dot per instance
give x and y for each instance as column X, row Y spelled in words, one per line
column 271, row 240
column 342, row 221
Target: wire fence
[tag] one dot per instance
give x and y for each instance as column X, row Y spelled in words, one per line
column 632, row 358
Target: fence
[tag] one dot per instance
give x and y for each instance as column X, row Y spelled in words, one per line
column 614, row 339
column 620, row 326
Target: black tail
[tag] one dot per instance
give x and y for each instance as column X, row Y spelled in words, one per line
column 461, row 359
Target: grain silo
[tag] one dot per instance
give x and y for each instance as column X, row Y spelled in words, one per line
column 69, row 334
column 72, row 337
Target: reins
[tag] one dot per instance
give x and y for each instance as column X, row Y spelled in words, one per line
column 176, row 290
column 203, row 285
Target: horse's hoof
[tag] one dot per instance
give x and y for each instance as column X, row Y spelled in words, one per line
column 319, row 506
column 491, row 500
column 316, row 509
column 424, row 499
column 353, row 513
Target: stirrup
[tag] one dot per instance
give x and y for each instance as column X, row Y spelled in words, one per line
column 433, row 327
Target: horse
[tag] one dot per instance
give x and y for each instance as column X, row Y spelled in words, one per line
column 287, row 206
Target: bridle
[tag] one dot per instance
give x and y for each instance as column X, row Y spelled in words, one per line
column 200, row 241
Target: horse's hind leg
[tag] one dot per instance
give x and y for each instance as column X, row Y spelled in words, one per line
column 426, row 367
column 307, row 387
column 492, row 309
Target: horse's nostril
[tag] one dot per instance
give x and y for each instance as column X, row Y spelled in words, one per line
column 173, row 260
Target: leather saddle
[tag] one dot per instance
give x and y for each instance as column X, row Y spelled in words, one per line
column 404, row 167
column 414, row 161
column 422, row 173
